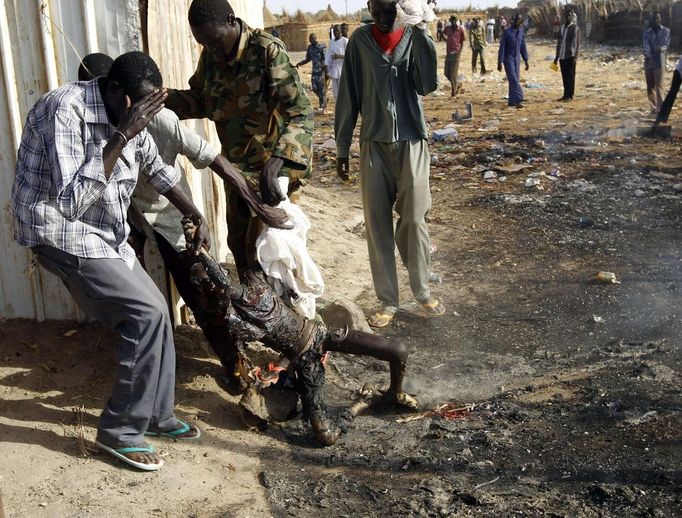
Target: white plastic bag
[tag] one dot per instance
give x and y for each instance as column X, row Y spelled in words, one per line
column 283, row 255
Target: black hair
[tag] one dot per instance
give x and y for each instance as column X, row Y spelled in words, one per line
column 94, row 65
column 132, row 69
column 215, row 12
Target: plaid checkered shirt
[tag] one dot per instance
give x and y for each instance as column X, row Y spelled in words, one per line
column 60, row 196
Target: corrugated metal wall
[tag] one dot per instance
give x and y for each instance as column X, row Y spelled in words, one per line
column 41, row 42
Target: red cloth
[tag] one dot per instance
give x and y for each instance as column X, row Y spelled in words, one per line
column 455, row 39
column 387, row 41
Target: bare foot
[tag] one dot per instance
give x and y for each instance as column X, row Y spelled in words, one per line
column 399, row 398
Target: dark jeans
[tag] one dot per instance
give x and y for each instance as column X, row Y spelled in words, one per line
column 474, row 58
column 568, row 76
column 667, row 105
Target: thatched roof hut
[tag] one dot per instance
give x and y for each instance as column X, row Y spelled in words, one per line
column 269, row 19
column 328, row 15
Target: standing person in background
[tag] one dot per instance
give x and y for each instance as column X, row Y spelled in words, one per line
column 316, row 55
column 477, row 43
column 394, row 153
column 567, row 48
column 439, row 30
column 512, row 50
column 345, row 30
column 655, row 42
column 454, row 36
column 337, row 51
column 490, row 31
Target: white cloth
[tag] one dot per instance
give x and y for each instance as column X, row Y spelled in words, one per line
column 335, row 65
column 414, row 12
column 284, row 257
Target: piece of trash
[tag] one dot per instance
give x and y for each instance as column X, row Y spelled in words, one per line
column 329, row 145
column 71, row 332
column 534, row 85
column 435, row 278
column 606, row 278
column 513, row 168
column 533, row 182
column 490, row 176
column 598, row 320
column 585, row 222
column 445, row 134
column 645, row 418
column 469, row 115
column 445, row 411
column 479, row 486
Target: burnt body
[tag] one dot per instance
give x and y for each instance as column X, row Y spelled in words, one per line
column 252, row 311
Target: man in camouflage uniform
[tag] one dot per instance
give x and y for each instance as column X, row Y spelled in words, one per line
column 245, row 83
column 315, row 54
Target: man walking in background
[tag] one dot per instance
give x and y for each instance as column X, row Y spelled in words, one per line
column 477, row 43
column 512, row 50
column 337, row 51
column 567, row 48
column 394, row 153
column 316, row 55
column 454, row 36
column 655, row 43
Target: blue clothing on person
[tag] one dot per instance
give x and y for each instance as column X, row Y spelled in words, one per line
column 512, row 49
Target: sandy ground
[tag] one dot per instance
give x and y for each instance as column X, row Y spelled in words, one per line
column 574, row 385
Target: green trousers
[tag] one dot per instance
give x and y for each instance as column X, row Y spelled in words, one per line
column 396, row 174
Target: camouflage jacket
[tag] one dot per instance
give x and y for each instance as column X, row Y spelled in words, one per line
column 258, row 104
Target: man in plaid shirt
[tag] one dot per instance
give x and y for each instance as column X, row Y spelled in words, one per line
column 81, row 151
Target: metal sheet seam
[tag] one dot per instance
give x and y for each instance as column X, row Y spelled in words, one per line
column 47, row 44
column 10, row 78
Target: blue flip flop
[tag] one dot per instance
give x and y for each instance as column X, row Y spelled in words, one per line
column 175, row 434
column 119, row 453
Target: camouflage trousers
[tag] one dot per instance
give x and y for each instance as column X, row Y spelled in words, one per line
column 320, row 88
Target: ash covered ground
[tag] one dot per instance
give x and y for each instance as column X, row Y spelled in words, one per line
column 567, row 391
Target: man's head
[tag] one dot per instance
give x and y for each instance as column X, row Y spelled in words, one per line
column 336, row 32
column 344, row 30
column 94, row 65
column 656, row 20
column 132, row 76
column 517, row 21
column 453, row 20
column 214, row 26
column 313, row 39
column 384, row 13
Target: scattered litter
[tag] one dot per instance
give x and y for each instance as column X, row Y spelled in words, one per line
column 585, row 222
column 556, row 111
column 606, row 278
column 645, row 418
column 530, row 84
column 444, row 411
column 444, row 135
column 469, row 115
column 533, row 183
column 71, row 332
column 513, row 168
column 479, row 486
column 490, row 176
column 598, row 320
column 633, row 85
column 329, row 145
